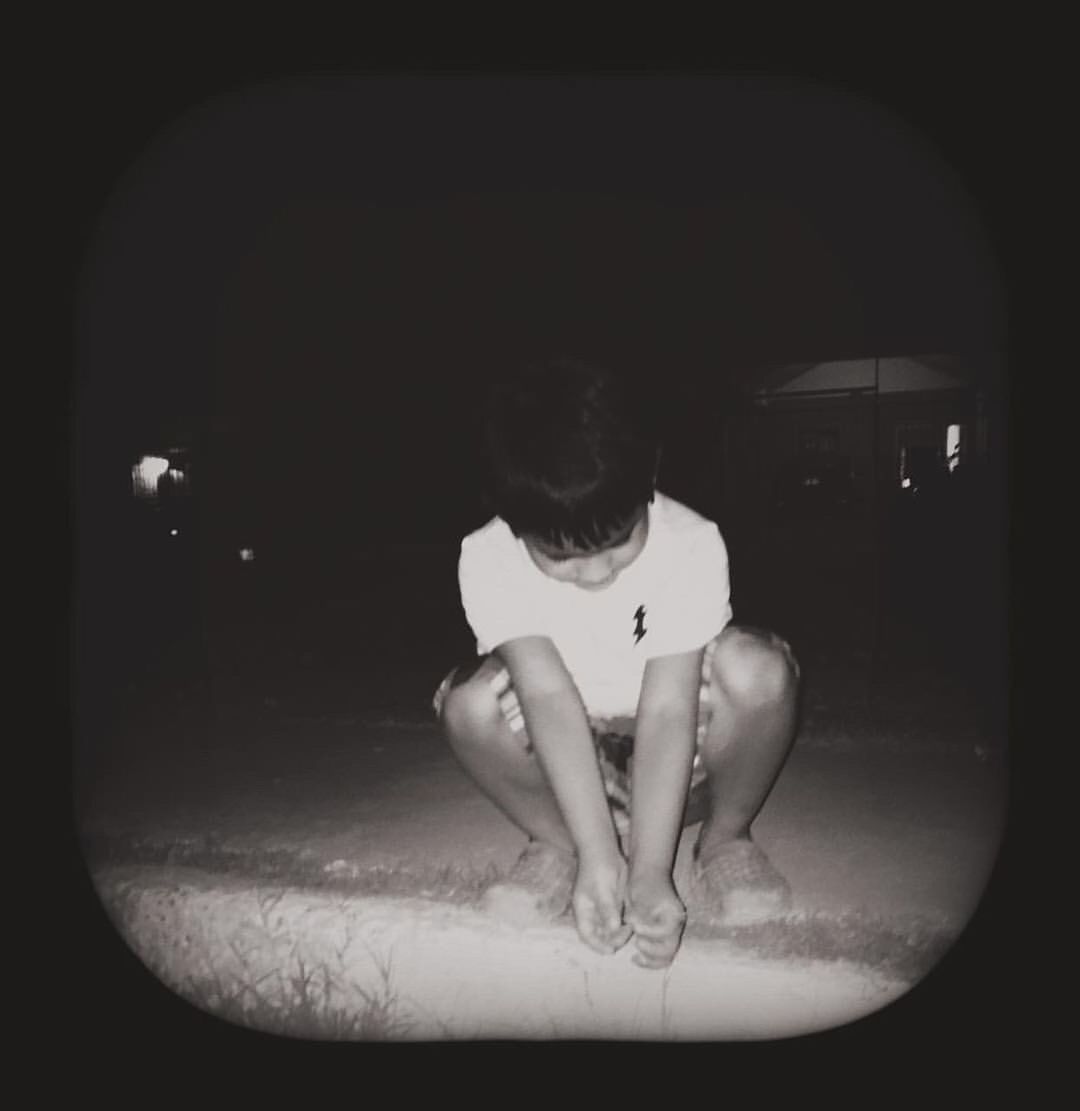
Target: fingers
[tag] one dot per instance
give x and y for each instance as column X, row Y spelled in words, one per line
column 656, row 923
column 601, row 928
column 657, row 936
column 659, row 921
column 604, row 937
column 656, row 952
column 616, row 936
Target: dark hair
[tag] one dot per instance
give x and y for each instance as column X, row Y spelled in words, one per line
column 572, row 451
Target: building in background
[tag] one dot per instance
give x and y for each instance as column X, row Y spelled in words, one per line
column 843, row 438
column 878, row 483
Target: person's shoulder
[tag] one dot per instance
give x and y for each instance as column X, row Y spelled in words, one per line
column 686, row 537
column 492, row 530
column 680, row 521
column 493, row 540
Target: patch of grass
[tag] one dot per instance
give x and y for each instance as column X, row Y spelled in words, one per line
column 460, row 884
column 301, row 1004
column 905, row 950
column 262, row 977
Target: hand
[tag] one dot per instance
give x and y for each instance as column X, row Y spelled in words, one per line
column 599, row 894
column 657, row 916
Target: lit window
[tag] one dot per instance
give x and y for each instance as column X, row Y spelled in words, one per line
column 146, row 474
column 952, row 446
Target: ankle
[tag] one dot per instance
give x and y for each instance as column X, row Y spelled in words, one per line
column 554, row 846
column 716, row 833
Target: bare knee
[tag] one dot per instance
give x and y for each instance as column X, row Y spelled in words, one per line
column 470, row 712
column 754, row 666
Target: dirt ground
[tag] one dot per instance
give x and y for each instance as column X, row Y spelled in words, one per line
column 282, row 749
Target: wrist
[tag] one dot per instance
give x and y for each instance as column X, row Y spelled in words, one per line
column 648, row 873
column 650, row 855
column 600, row 855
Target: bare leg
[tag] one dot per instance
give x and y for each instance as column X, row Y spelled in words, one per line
column 496, row 759
column 754, row 695
column 540, row 884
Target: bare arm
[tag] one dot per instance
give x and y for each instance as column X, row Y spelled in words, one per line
column 559, row 730
column 663, row 756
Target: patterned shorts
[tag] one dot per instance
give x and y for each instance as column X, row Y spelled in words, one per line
column 613, row 737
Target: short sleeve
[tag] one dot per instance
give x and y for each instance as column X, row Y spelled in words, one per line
column 695, row 601
column 499, row 602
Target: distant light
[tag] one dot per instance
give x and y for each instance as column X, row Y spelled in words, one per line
column 952, row 446
column 905, row 482
column 174, row 532
column 247, row 555
column 152, row 467
column 146, row 473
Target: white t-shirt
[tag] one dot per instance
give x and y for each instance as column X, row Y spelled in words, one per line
column 674, row 597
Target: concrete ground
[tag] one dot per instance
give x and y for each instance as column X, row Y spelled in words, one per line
column 272, row 820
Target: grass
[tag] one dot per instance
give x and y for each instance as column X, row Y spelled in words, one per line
column 451, row 883
column 302, row 1004
column 903, row 950
column 261, row 976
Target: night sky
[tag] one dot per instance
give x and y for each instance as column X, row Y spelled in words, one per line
column 305, row 281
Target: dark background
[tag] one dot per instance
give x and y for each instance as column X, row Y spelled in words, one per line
column 304, row 283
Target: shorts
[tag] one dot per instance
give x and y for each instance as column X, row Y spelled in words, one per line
column 613, row 737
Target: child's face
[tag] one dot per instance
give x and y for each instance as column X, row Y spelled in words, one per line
column 596, row 569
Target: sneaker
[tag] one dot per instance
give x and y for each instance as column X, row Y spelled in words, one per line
column 737, row 885
column 537, row 889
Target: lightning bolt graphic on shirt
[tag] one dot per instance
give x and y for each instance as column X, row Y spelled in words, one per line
column 639, row 624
